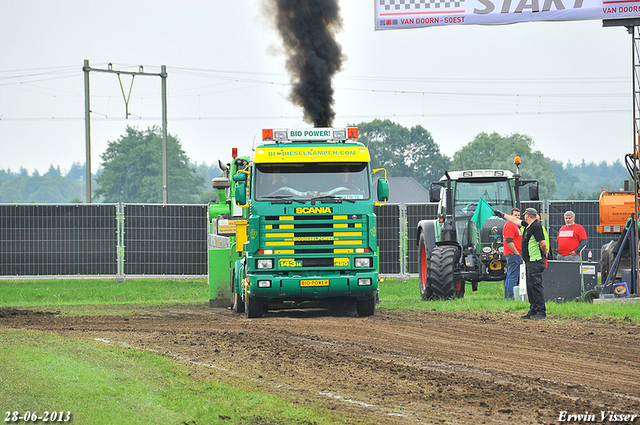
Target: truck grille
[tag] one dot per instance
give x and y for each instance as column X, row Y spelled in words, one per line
column 316, row 234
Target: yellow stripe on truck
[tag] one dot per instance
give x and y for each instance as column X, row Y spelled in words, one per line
column 293, row 154
column 347, row 233
column 348, row 243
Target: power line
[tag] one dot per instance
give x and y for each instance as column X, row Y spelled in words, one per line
column 230, row 81
column 243, row 76
column 358, row 116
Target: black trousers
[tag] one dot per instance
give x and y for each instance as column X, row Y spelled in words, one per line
column 535, row 290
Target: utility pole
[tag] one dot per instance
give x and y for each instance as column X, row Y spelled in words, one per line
column 165, row 157
column 633, row 28
column 87, row 131
column 87, row 118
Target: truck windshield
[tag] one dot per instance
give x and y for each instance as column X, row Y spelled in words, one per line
column 312, row 180
column 496, row 193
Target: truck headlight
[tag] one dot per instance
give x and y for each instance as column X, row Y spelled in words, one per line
column 364, row 281
column 264, row 284
column 264, row 263
column 363, row 262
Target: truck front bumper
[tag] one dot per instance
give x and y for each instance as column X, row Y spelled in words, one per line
column 313, row 286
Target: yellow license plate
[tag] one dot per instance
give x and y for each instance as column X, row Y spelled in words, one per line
column 314, row 282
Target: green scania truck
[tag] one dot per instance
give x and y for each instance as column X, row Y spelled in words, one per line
column 294, row 225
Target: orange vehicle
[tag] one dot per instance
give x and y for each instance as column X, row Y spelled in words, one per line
column 615, row 209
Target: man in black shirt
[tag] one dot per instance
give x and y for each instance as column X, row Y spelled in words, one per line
column 534, row 251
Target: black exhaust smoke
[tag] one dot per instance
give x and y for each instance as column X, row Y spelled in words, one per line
column 307, row 28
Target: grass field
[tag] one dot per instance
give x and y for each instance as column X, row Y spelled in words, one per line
column 405, row 295
column 45, row 372
column 93, row 296
column 99, row 296
column 61, row 292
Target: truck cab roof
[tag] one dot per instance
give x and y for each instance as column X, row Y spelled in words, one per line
column 477, row 174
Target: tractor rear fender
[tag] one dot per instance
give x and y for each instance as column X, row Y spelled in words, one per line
column 428, row 228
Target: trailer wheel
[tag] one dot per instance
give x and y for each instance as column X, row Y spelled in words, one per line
column 366, row 307
column 591, row 295
column 425, row 289
column 238, row 304
column 441, row 278
column 252, row 308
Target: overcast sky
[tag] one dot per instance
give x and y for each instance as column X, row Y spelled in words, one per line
column 565, row 84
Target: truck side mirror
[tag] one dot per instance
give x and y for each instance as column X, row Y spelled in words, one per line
column 383, row 190
column 434, row 193
column 241, row 193
column 533, row 192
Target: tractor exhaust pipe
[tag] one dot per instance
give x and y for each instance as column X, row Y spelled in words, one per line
column 448, row 233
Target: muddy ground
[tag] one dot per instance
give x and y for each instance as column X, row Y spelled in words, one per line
column 395, row 367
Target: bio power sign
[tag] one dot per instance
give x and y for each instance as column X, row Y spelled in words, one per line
column 394, row 14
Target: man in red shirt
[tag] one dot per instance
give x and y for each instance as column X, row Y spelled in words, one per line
column 512, row 249
column 572, row 238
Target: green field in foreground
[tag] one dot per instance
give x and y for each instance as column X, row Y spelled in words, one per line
column 100, row 383
column 106, row 384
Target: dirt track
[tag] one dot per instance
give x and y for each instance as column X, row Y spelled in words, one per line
column 394, row 367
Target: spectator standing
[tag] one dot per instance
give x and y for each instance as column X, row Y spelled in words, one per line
column 512, row 249
column 534, row 251
column 572, row 238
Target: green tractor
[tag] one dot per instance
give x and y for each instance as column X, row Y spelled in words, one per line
column 454, row 249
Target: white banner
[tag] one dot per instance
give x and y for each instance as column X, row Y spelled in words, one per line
column 394, row 14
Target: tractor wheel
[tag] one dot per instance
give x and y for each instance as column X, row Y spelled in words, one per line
column 252, row 308
column 441, row 277
column 366, row 307
column 425, row 289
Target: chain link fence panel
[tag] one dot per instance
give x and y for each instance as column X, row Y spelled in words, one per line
column 41, row 240
column 58, row 240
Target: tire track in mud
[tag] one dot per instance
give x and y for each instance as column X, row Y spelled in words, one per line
column 408, row 367
column 509, row 349
column 558, row 371
column 560, row 388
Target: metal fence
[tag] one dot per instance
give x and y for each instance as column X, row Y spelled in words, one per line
column 110, row 240
column 135, row 240
column 390, row 253
column 165, row 240
column 57, row 240
column 403, row 238
column 588, row 215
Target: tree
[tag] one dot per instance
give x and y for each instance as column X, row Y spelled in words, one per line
column 133, row 170
column 403, row 152
column 564, row 181
column 48, row 188
column 77, row 172
column 492, row 151
column 586, row 181
column 208, row 172
column 53, row 171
